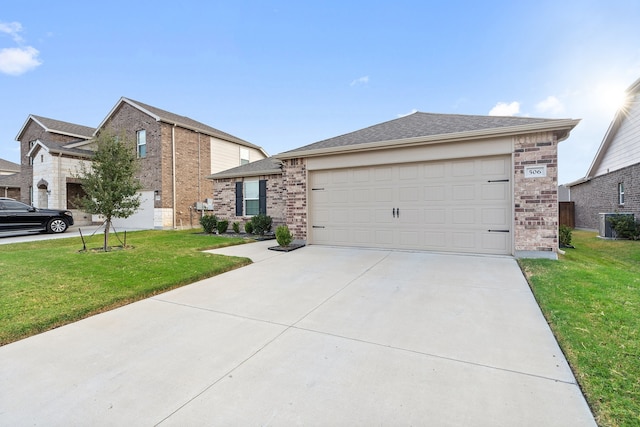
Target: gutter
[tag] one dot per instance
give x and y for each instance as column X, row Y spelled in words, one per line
column 173, row 172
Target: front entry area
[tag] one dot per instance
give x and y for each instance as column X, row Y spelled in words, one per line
column 461, row 205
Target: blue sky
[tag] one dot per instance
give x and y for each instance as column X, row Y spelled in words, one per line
column 282, row 74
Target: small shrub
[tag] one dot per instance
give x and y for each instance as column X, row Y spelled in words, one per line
column 208, row 223
column 565, row 236
column 261, row 224
column 236, row 227
column 222, row 226
column 248, row 227
column 625, row 226
column 283, row 235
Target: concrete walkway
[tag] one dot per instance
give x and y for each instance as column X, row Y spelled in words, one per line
column 317, row 336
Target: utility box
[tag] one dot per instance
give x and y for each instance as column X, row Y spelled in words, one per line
column 604, row 226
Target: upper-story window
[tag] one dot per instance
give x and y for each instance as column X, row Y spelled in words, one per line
column 141, row 137
column 244, row 156
column 621, row 193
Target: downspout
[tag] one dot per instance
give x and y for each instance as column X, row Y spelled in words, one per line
column 173, row 171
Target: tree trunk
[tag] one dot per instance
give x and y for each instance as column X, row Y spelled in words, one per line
column 107, row 226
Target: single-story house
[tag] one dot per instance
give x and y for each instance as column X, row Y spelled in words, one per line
column 612, row 183
column 439, row 182
column 176, row 154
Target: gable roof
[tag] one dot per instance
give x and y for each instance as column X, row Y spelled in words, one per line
column 431, row 128
column 182, row 121
column 60, row 148
column 268, row 166
column 609, row 136
column 58, row 126
column 6, row 165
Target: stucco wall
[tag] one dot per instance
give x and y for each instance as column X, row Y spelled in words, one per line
column 600, row 195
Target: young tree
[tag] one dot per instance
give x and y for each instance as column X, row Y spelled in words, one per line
column 109, row 182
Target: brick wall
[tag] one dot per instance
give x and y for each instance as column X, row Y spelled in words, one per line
column 536, row 199
column 192, row 164
column 32, row 132
column 224, row 200
column 294, row 176
column 600, row 195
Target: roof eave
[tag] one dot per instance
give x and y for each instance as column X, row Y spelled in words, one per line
column 564, row 125
column 222, row 175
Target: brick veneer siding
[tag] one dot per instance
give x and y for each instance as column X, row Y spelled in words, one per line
column 192, row 163
column 224, row 200
column 294, row 176
column 32, row 132
column 600, row 195
column 535, row 199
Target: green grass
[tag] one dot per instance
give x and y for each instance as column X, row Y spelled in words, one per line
column 47, row 284
column 591, row 299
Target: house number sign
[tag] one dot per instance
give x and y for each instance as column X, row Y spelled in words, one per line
column 535, row 171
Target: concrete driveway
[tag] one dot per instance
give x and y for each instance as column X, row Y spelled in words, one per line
column 318, row 336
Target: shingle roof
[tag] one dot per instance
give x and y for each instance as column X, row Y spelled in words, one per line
column 66, row 128
column 420, row 125
column 268, row 166
column 10, row 180
column 6, row 165
column 57, row 147
column 189, row 123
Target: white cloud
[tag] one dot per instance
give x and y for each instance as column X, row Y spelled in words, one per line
column 407, row 114
column 13, row 29
column 362, row 80
column 18, row 60
column 504, row 109
column 551, row 105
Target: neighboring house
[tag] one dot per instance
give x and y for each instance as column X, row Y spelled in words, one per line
column 9, row 179
column 176, row 154
column 439, row 182
column 43, row 149
column 612, row 183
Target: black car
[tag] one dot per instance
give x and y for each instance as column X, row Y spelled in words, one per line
column 16, row 215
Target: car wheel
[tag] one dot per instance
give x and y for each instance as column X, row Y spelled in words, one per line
column 57, row 225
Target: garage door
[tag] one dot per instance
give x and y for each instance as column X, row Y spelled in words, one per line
column 455, row 206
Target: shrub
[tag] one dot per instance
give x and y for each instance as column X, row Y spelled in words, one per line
column 261, row 224
column 208, row 223
column 222, row 226
column 283, row 235
column 236, row 227
column 565, row 236
column 625, row 226
column 248, row 227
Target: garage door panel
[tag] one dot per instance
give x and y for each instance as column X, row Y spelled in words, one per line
column 464, row 192
column 444, row 206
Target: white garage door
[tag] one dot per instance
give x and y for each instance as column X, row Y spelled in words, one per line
column 457, row 206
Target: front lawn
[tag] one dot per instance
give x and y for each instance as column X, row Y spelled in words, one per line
column 50, row 283
column 591, row 299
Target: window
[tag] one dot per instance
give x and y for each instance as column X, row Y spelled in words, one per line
column 251, row 198
column 142, row 143
column 244, row 156
column 621, row 193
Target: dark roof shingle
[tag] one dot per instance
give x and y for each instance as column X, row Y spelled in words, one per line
column 66, row 128
column 268, row 166
column 420, row 124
